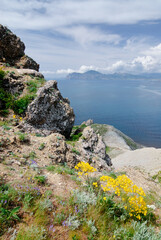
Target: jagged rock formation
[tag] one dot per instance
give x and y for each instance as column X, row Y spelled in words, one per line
column 12, row 50
column 92, row 146
column 50, row 112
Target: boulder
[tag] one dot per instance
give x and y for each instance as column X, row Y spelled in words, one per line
column 92, row 144
column 50, row 112
column 12, row 50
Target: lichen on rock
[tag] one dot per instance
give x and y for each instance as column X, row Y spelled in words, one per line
column 50, row 112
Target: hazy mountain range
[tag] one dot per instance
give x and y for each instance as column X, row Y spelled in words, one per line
column 94, row 75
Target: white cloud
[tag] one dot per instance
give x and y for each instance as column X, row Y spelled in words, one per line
column 82, row 69
column 36, row 14
column 63, row 35
column 86, row 35
column 138, row 64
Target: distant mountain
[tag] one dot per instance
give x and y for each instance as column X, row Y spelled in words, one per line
column 94, row 75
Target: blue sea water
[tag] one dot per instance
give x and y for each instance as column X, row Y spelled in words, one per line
column 134, row 107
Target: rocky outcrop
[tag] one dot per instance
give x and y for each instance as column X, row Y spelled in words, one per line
column 12, row 50
column 31, row 72
column 27, row 63
column 13, row 83
column 93, row 146
column 88, row 122
column 61, row 152
column 50, row 112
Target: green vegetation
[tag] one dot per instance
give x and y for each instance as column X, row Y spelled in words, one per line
column 32, row 232
column 42, row 146
column 100, row 128
column 6, row 99
column 22, row 137
column 40, row 179
column 18, row 104
column 90, row 211
column 157, row 177
column 107, row 149
column 75, row 151
column 130, row 143
column 76, row 134
column 33, row 85
column 61, row 169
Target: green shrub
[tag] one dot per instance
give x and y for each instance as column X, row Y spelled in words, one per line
column 32, row 232
column 75, row 151
column 23, row 137
column 8, row 206
column 2, row 74
column 22, row 103
column 51, row 168
column 41, row 179
column 33, row 85
column 42, row 146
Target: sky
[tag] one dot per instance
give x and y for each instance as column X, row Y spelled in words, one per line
column 109, row 36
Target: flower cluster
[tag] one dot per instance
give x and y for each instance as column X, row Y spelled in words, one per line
column 15, row 117
column 95, row 184
column 131, row 194
column 84, row 168
column 22, row 190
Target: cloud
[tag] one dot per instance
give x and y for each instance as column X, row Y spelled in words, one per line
column 86, row 35
column 138, row 64
column 82, row 69
column 81, row 35
column 36, row 14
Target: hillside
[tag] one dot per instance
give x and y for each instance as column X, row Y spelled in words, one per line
column 60, row 181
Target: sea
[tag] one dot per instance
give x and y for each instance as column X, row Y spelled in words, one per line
column 132, row 106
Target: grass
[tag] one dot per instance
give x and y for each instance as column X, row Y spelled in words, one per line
column 88, row 213
column 22, row 137
column 130, row 143
column 32, row 232
column 60, row 169
column 157, row 177
column 33, row 85
column 100, row 128
column 42, row 146
column 107, row 149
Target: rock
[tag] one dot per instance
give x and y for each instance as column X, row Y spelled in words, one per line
column 50, row 112
column 27, row 62
column 13, row 83
column 11, row 47
column 32, row 72
column 12, row 50
column 60, row 152
column 88, row 122
column 92, row 144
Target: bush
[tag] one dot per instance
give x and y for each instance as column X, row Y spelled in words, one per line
column 22, row 103
column 40, row 179
column 32, row 232
column 2, row 74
